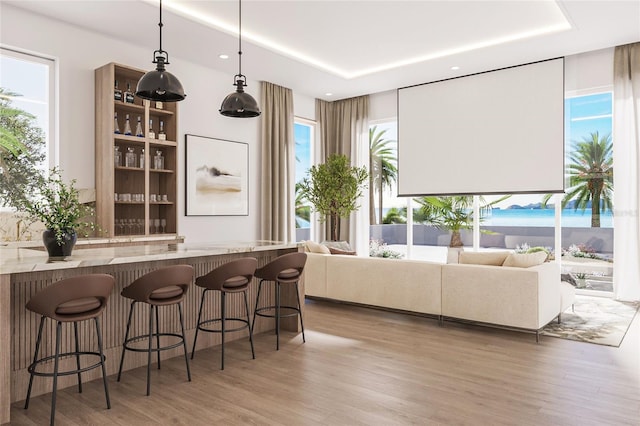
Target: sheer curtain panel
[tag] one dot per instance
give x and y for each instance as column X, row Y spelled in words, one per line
column 278, row 156
column 626, row 160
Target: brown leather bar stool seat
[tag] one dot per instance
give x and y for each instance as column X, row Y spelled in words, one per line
column 285, row 269
column 70, row 300
column 233, row 277
column 163, row 287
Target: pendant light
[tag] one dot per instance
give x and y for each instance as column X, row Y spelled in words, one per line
column 160, row 85
column 239, row 103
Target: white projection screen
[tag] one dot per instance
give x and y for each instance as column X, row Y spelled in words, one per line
column 496, row 132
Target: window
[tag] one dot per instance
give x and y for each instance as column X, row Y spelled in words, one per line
column 303, row 133
column 387, row 211
column 27, row 84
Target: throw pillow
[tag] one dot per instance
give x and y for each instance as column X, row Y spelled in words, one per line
column 313, row 247
column 338, row 251
column 493, row 258
column 525, row 260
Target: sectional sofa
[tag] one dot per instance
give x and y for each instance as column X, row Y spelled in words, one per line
column 478, row 289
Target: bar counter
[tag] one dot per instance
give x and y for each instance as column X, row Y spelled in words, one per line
column 26, row 270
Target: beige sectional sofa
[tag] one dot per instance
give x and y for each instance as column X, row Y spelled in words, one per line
column 510, row 296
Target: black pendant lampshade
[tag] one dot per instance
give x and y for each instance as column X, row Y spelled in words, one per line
column 239, row 103
column 160, row 85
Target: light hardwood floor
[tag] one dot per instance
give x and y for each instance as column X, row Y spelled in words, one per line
column 369, row 367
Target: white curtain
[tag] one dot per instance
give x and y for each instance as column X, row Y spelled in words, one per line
column 626, row 160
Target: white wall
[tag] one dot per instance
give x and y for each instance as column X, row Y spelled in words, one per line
column 79, row 52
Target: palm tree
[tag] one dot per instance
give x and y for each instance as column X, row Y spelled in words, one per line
column 302, row 211
column 395, row 215
column 382, row 169
column 590, row 176
column 452, row 213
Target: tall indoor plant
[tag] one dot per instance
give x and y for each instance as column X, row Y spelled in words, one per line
column 333, row 189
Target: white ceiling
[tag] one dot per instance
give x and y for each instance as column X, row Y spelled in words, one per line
column 350, row 48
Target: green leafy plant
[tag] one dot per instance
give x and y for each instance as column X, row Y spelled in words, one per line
column 57, row 205
column 590, row 172
column 333, row 189
column 452, row 213
column 382, row 169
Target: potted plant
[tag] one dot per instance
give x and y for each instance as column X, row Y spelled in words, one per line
column 452, row 213
column 333, row 189
column 57, row 205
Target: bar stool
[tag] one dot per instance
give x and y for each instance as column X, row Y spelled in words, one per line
column 232, row 277
column 162, row 287
column 73, row 300
column 285, row 269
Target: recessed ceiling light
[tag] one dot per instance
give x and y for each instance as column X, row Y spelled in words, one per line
column 454, row 68
column 223, row 56
column 558, row 23
column 328, row 94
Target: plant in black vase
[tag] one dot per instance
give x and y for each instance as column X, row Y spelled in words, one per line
column 57, row 205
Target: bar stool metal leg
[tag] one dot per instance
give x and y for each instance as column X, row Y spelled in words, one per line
column 149, row 352
column 223, row 316
column 184, row 341
column 102, row 361
column 75, row 332
column 255, row 314
column 158, row 336
column 246, row 307
column 35, row 358
column 195, row 338
column 300, row 312
column 56, row 364
column 277, row 315
column 126, row 337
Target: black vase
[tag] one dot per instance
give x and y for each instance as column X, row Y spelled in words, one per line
column 59, row 251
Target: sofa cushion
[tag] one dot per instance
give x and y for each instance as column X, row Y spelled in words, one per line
column 494, row 258
column 525, row 260
column 314, row 247
column 338, row 251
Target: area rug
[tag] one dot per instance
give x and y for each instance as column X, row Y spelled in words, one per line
column 598, row 320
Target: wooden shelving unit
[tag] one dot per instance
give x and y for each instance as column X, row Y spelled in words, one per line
column 142, row 216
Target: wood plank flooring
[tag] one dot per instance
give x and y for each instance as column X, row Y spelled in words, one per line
column 368, row 367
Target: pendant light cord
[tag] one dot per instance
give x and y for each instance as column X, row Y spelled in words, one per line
column 160, row 25
column 239, row 38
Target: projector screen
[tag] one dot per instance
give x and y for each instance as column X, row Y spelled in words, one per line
column 496, row 132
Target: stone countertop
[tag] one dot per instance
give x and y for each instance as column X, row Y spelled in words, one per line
column 16, row 259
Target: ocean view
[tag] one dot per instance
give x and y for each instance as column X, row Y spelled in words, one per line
column 545, row 217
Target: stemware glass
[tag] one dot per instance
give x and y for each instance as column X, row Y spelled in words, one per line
column 163, row 223
column 156, row 223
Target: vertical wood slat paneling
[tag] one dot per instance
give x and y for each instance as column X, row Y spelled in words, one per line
column 24, row 323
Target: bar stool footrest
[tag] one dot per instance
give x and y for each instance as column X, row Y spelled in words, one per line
column 153, row 336
column 32, row 368
column 260, row 311
column 219, row 320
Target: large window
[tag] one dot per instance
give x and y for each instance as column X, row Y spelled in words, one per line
column 27, row 85
column 303, row 132
column 517, row 222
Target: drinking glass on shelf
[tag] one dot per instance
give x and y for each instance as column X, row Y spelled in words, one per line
column 163, row 223
column 141, row 226
column 156, row 223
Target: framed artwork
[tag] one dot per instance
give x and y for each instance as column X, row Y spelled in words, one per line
column 217, row 181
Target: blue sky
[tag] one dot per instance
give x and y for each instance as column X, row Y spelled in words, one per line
column 302, row 136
